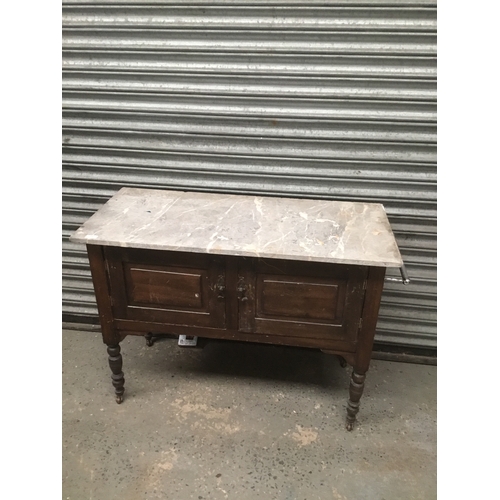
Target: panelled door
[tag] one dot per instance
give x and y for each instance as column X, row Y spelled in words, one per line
column 300, row 299
column 172, row 288
column 274, row 297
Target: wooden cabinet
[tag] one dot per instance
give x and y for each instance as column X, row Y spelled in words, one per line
column 315, row 304
column 328, row 306
column 315, row 291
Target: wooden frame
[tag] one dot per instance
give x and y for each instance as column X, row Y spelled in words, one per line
column 332, row 307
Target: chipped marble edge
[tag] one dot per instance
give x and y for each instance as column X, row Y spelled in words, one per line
column 238, row 253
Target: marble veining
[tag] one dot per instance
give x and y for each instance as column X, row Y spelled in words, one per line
column 254, row 226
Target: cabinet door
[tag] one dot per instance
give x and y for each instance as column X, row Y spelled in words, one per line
column 167, row 287
column 301, row 299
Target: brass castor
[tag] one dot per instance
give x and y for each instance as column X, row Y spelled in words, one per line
column 119, row 399
column 149, row 339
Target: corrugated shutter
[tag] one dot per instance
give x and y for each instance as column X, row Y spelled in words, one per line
column 312, row 99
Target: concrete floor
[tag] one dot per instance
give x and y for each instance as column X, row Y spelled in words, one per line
column 242, row 421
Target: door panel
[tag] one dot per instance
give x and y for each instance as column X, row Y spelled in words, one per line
column 164, row 286
column 167, row 287
column 301, row 299
column 279, row 296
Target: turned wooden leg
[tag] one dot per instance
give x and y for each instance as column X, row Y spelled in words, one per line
column 115, row 363
column 356, row 387
column 149, row 339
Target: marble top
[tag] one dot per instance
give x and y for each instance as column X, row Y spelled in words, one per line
column 254, row 226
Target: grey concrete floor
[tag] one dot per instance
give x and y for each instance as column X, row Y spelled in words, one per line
column 242, row 421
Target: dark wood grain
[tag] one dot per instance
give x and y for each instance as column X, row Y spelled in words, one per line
column 140, row 328
column 317, row 301
column 102, row 292
column 371, row 306
column 305, row 304
column 117, row 378
column 165, row 287
column 347, row 357
column 281, row 297
column 245, row 289
column 356, row 387
column 232, row 313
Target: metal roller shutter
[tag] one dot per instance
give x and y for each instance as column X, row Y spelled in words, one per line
column 310, row 99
